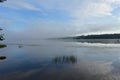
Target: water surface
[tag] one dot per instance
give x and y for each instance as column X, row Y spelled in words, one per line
column 57, row 60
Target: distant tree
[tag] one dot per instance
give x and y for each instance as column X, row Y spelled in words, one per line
column 100, row 36
column 2, row 1
column 1, row 36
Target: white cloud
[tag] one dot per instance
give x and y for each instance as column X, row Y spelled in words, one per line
column 21, row 5
column 77, row 9
column 94, row 10
column 26, row 6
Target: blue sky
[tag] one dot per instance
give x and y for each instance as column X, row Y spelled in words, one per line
column 51, row 18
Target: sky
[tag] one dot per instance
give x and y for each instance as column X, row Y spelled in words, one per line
column 57, row 18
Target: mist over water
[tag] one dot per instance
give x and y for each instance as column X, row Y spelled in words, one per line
column 59, row 60
column 27, row 53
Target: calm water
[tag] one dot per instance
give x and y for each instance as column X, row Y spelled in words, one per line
column 55, row 60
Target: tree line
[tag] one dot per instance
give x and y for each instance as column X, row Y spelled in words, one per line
column 101, row 36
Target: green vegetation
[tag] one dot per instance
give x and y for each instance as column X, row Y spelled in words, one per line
column 2, row 38
column 2, row 45
column 65, row 59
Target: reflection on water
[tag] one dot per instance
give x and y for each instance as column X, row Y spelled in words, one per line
column 65, row 59
column 2, row 46
column 2, row 57
column 59, row 61
column 104, row 41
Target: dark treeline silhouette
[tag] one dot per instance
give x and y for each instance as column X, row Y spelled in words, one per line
column 65, row 59
column 101, row 36
column 2, row 1
column 97, row 36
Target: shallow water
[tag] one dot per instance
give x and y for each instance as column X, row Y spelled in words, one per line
column 57, row 60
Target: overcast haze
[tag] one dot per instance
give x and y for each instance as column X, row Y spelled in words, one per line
column 25, row 19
